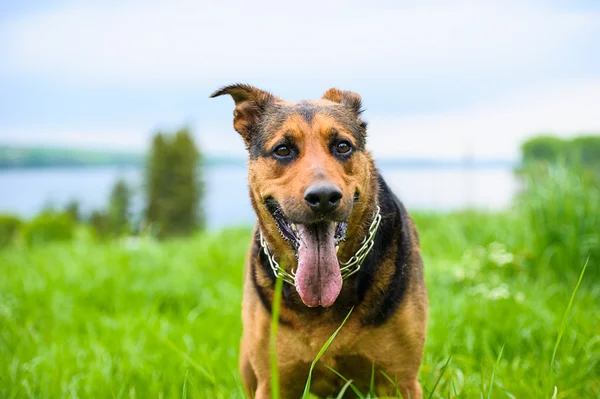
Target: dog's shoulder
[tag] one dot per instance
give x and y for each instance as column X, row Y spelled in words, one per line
column 394, row 263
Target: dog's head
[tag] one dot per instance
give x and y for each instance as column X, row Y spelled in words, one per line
column 310, row 177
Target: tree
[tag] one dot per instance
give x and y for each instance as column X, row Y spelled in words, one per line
column 173, row 185
column 100, row 223
column 548, row 149
column 119, row 208
column 73, row 209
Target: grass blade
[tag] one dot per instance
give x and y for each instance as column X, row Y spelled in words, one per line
column 273, row 338
column 356, row 391
column 320, row 353
column 344, row 388
column 184, row 390
column 440, row 377
column 489, row 396
column 563, row 326
column 394, row 383
column 185, row 356
column 372, row 385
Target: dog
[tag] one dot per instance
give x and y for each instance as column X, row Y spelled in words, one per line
column 343, row 243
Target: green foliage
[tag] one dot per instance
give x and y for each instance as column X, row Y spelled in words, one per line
column 561, row 209
column 116, row 221
column 9, row 227
column 560, row 204
column 173, row 185
column 119, row 206
column 122, row 318
column 583, row 151
column 543, row 148
column 139, row 317
column 48, row 227
column 586, row 150
column 101, row 224
column 73, row 209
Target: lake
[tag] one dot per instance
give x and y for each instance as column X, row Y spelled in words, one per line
column 26, row 191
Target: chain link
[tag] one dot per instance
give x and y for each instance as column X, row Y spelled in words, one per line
column 348, row 268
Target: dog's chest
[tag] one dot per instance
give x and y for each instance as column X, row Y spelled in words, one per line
column 309, row 340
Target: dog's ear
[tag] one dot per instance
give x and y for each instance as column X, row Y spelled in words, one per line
column 349, row 99
column 250, row 105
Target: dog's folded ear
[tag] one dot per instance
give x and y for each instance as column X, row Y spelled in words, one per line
column 250, row 105
column 347, row 98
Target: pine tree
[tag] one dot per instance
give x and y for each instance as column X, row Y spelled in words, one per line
column 156, row 177
column 119, row 208
column 173, row 185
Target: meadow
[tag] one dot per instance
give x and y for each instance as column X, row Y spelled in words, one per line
column 140, row 318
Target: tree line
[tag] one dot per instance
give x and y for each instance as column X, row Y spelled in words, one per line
column 172, row 201
column 582, row 151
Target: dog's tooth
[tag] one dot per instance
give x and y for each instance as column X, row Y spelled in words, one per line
column 337, row 248
column 294, row 227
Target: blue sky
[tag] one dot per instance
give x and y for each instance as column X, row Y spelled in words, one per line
column 438, row 79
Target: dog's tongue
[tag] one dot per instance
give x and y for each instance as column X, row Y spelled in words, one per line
column 318, row 278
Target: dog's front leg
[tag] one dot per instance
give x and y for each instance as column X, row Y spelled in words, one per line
column 286, row 391
column 263, row 391
column 291, row 382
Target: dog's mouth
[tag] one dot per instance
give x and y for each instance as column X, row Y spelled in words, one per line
column 318, row 277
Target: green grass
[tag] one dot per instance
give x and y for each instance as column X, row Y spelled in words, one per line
column 143, row 319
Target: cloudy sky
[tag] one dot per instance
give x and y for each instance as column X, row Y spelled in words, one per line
column 439, row 79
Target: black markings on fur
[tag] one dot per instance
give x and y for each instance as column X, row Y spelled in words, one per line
column 307, row 111
column 276, row 114
column 394, row 225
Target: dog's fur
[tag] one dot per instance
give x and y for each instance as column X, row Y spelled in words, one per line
column 386, row 329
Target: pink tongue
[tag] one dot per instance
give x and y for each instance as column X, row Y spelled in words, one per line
column 318, row 278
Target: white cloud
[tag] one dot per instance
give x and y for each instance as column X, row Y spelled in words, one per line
column 188, row 42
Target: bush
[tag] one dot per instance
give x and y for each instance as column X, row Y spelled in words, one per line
column 9, row 227
column 49, row 226
column 561, row 208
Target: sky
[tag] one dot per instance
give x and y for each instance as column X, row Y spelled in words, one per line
column 439, row 79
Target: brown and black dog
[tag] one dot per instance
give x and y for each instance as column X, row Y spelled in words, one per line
column 315, row 190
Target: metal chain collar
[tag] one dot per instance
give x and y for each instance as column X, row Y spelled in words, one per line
column 348, row 268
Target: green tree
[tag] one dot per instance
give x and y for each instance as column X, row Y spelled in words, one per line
column 543, row 148
column 100, row 223
column 585, row 150
column 73, row 209
column 173, row 185
column 119, row 208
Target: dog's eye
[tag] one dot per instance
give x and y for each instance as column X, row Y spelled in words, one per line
column 343, row 147
column 282, row 151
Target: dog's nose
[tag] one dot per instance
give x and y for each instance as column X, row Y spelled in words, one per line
column 323, row 197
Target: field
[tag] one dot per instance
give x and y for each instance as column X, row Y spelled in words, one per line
column 138, row 318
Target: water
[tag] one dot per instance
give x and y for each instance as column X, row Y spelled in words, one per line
column 26, row 191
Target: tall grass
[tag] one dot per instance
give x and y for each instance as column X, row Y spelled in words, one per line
column 133, row 318
column 138, row 318
column 560, row 208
